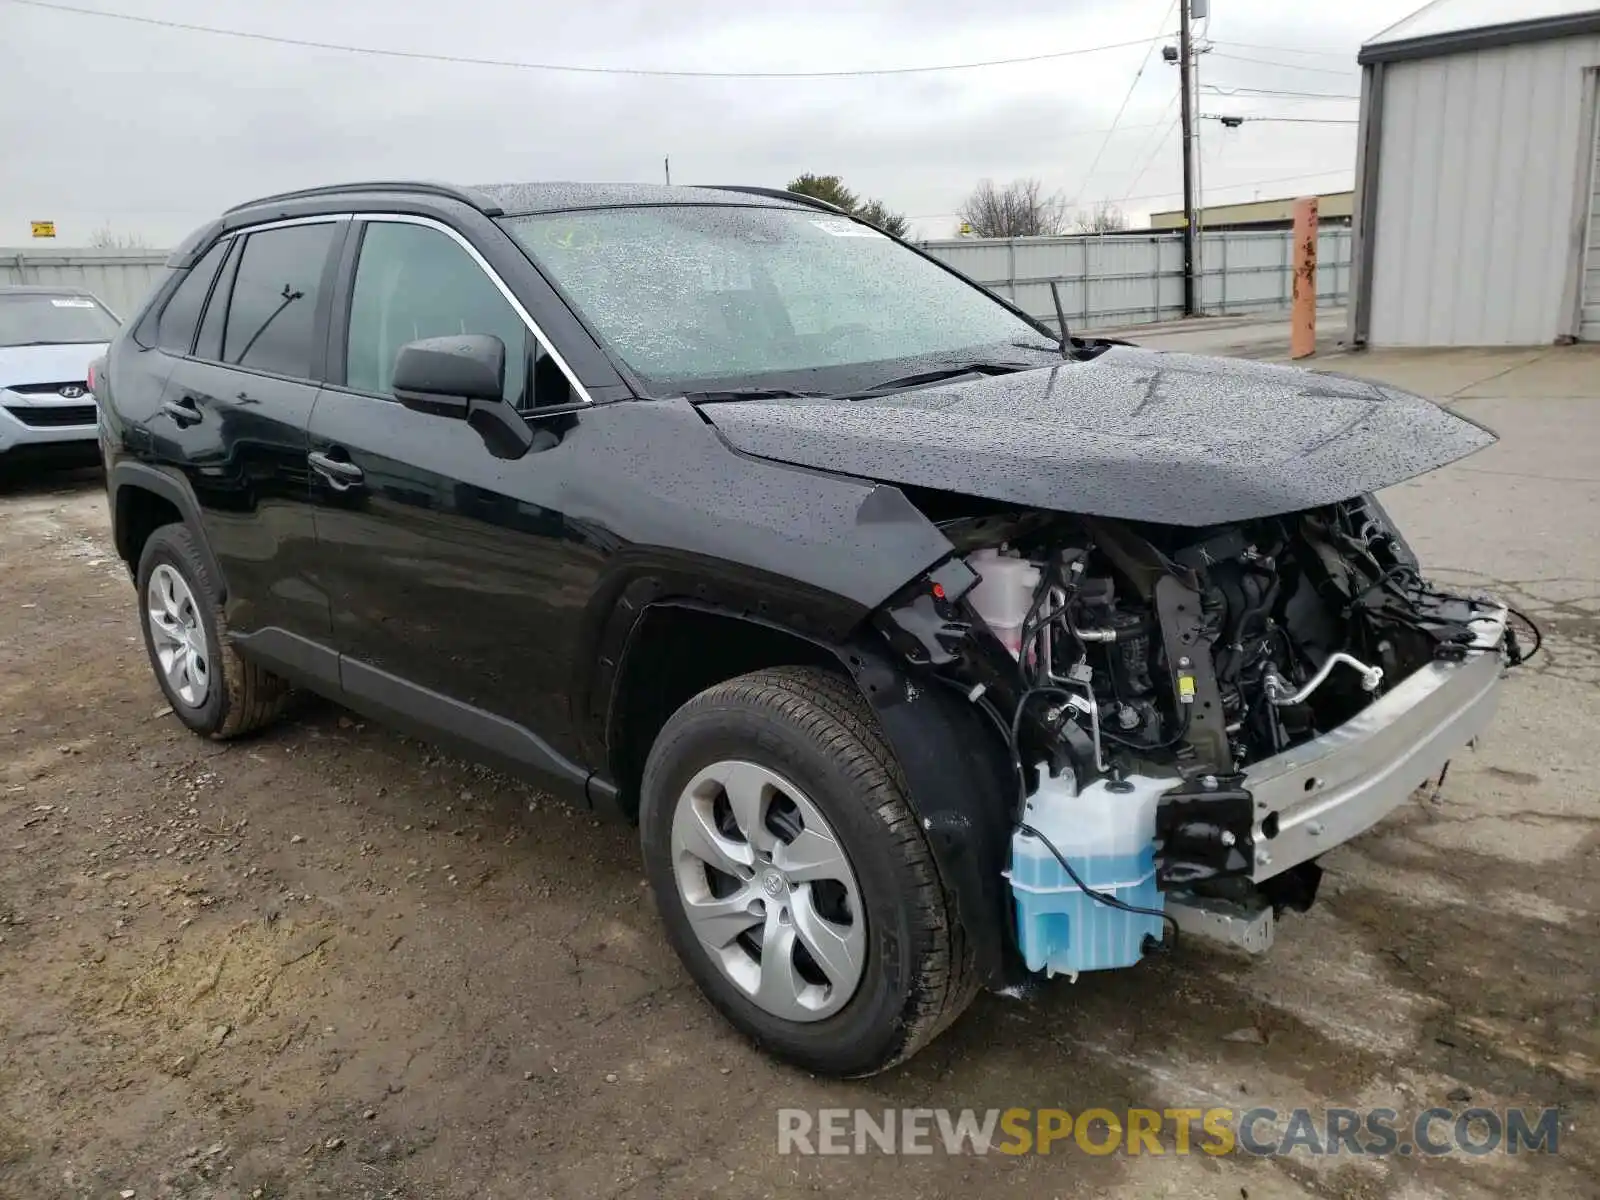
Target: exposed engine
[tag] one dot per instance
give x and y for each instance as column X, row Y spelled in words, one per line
column 1204, row 650
column 1137, row 674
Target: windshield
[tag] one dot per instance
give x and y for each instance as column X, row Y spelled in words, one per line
column 699, row 296
column 34, row 318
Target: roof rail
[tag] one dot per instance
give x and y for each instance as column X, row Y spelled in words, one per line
column 776, row 194
column 417, row 187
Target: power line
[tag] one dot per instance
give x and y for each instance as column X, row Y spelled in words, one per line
column 1116, row 120
column 1346, row 55
column 1110, row 129
column 1150, row 159
column 1152, row 148
column 1232, row 187
column 306, row 43
column 1250, row 91
column 1265, row 62
column 1279, row 120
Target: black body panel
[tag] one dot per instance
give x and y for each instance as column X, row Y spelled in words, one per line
column 497, row 583
column 242, row 451
column 1177, row 439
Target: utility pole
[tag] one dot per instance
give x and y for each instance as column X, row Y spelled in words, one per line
column 1185, row 81
column 666, row 165
column 1197, row 10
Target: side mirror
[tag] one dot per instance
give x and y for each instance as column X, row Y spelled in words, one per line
column 444, row 375
column 463, row 376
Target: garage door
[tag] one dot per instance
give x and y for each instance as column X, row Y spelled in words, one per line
column 1589, row 323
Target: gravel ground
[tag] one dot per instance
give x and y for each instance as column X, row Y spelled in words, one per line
column 327, row 961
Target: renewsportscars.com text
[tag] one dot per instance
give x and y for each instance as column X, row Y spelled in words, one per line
column 1261, row 1132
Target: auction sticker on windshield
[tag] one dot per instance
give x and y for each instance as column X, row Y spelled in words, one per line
column 839, row 227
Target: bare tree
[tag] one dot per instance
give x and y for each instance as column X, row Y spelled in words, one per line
column 1020, row 209
column 1104, row 218
column 106, row 238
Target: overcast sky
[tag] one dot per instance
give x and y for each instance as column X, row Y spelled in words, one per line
column 150, row 131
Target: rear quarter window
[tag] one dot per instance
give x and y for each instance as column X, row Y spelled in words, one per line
column 175, row 330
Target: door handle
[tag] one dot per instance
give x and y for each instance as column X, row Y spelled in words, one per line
column 184, row 412
column 340, row 474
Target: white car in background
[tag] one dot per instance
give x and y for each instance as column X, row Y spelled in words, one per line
column 48, row 337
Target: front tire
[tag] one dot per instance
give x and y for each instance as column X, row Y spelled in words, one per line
column 210, row 688
column 793, row 877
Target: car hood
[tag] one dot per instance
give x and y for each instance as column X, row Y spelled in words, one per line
column 24, row 365
column 1178, row 439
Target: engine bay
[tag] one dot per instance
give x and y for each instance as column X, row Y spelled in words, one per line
column 1139, row 673
column 1160, row 649
column 1150, row 684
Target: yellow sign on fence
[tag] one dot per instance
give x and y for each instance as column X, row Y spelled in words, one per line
column 44, row 228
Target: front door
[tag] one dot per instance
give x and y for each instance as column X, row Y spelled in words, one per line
column 456, row 585
column 235, row 412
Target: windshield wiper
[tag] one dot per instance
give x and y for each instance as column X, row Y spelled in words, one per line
column 749, row 393
column 922, row 378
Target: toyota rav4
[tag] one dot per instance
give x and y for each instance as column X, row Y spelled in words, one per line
column 930, row 649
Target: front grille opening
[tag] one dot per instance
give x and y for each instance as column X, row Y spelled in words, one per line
column 52, row 416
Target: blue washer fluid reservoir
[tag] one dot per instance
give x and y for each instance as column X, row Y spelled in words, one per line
column 1109, row 838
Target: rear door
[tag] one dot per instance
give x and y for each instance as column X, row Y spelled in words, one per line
column 234, row 416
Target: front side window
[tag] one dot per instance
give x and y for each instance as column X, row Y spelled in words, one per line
column 687, row 295
column 53, row 319
column 414, row 282
column 272, row 314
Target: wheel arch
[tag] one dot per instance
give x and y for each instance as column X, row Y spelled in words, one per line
column 675, row 649
column 959, row 777
column 143, row 499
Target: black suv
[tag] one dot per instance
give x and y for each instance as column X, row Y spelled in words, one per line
column 929, row 649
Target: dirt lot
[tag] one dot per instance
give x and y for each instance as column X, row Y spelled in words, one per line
column 329, row 962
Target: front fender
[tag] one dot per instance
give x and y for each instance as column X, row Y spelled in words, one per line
column 961, row 784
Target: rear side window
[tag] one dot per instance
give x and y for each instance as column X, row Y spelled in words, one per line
column 209, row 344
column 272, row 315
column 175, row 333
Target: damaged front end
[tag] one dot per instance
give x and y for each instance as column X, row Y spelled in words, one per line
column 1192, row 716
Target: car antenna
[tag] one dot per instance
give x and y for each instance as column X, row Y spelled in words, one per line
column 1061, row 319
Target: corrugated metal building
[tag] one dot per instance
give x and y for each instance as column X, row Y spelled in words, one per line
column 1478, row 177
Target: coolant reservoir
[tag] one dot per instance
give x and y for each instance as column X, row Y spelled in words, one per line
column 1004, row 594
column 1109, row 838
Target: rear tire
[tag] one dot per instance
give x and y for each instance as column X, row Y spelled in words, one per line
column 211, row 688
column 804, row 741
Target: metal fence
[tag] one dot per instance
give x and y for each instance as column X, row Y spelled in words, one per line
column 120, row 278
column 1123, row 279
column 1131, row 279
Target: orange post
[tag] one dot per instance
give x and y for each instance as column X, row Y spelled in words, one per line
column 1303, row 305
